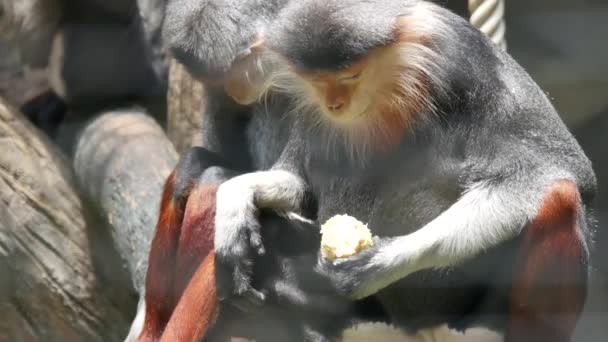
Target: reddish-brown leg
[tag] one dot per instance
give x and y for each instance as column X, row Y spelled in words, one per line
column 197, row 308
column 161, row 264
column 184, row 237
column 196, row 297
column 551, row 270
column 196, row 237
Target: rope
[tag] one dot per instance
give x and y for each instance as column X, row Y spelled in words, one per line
column 488, row 17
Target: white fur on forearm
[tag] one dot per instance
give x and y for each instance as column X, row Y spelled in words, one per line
column 482, row 218
column 276, row 189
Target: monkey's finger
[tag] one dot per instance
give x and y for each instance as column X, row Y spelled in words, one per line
column 255, row 297
column 242, row 305
column 255, row 240
column 224, row 280
column 323, row 265
column 231, row 272
column 224, row 287
column 250, row 301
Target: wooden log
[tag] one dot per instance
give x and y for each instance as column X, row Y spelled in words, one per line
column 50, row 289
column 185, row 103
column 121, row 160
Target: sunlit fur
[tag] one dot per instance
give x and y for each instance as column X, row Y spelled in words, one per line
column 396, row 87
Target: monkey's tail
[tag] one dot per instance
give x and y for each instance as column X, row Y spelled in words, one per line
column 197, row 308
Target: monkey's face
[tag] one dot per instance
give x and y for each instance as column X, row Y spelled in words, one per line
column 336, row 93
column 363, row 92
column 370, row 103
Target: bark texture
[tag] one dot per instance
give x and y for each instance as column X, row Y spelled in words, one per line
column 50, row 288
column 121, row 160
column 185, row 101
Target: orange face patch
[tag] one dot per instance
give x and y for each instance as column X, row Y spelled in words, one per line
column 336, row 89
column 374, row 99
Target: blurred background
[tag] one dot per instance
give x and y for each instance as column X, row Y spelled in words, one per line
column 563, row 44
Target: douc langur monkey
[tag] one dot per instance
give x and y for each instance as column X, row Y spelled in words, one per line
column 406, row 117
column 190, row 30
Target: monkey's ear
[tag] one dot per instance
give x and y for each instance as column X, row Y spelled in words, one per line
column 258, row 44
column 255, row 47
column 399, row 27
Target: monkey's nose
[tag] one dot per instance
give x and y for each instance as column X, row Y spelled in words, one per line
column 335, row 106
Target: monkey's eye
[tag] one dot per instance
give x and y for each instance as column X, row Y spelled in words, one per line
column 350, row 77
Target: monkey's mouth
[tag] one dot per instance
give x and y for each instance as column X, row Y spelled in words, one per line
column 360, row 115
column 346, row 119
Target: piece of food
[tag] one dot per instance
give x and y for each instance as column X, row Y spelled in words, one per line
column 343, row 236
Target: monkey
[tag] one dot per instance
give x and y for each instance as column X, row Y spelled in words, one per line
column 189, row 32
column 409, row 119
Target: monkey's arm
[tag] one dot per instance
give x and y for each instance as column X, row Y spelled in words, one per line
column 485, row 216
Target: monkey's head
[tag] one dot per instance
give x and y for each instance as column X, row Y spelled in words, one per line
column 351, row 95
column 364, row 66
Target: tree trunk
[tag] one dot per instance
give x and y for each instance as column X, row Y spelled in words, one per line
column 185, row 101
column 49, row 287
